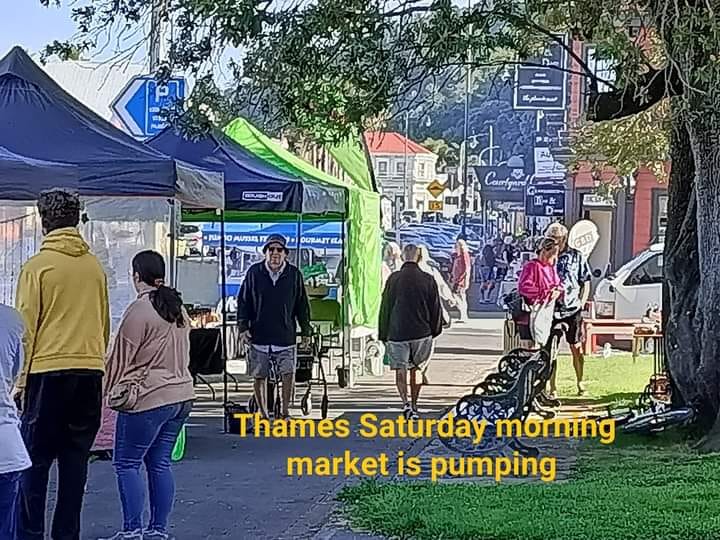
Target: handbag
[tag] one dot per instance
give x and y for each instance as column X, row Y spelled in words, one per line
column 124, row 395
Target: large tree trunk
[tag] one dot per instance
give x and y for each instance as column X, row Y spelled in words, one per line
column 682, row 271
column 703, row 128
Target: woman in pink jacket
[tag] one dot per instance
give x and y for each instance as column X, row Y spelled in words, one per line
column 460, row 277
column 539, row 283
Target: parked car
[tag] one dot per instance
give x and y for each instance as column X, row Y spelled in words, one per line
column 637, row 285
column 410, row 216
column 433, row 217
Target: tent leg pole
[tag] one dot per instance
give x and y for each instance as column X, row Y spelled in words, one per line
column 345, row 323
column 223, row 303
column 172, row 254
column 298, row 233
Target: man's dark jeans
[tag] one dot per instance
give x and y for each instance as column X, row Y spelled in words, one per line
column 60, row 418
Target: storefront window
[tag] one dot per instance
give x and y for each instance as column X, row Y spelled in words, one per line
column 601, row 67
column 660, row 213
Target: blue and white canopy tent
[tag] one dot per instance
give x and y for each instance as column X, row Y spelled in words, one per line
column 50, row 140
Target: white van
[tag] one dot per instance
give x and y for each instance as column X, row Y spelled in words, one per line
column 637, row 285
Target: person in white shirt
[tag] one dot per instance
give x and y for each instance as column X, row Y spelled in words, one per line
column 13, row 456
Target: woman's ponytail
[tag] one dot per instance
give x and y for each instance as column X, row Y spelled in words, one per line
column 168, row 303
column 150, row 268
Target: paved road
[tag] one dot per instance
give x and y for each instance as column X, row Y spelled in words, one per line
column 228, row 487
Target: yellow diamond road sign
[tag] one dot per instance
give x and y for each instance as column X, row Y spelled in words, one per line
column 436, row 188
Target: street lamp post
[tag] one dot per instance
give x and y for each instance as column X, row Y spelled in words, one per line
column 463, row 154
column 405, row 159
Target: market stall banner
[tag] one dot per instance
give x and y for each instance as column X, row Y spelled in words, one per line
column 502, row 183
column 322, row 241
column 324, row 238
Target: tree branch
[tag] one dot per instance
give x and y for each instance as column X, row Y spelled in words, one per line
column 653, row 87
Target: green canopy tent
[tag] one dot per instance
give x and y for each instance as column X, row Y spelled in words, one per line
column 363, row 263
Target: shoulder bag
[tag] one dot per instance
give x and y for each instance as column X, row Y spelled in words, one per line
column 124, row 396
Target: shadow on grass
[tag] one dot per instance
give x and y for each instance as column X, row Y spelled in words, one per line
column 594, row 401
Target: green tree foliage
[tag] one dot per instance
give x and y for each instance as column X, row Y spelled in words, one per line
column 448, row 153
column 623, row 146
column 333, row 67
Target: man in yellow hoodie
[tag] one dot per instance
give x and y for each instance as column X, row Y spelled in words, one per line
column 63, row 299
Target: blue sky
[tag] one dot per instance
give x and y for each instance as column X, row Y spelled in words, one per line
column 28, row 24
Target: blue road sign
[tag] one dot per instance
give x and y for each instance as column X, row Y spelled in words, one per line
column 543, row 84
column 140, row 104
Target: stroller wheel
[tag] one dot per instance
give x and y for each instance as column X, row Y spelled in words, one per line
column 324, row 406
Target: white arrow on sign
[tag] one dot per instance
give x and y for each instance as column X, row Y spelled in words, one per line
column 121, row 107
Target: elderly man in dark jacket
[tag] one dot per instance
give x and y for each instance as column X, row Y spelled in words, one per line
column 410, row 319
column 271, row 305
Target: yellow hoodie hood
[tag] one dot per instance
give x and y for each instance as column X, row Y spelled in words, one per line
column 66, row 241
column 63, row 299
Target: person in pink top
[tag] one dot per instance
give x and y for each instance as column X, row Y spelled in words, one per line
column 539, row 282
column 460, row 277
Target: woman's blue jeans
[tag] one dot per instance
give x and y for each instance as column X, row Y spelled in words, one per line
column 9, row 488
column 147, row 437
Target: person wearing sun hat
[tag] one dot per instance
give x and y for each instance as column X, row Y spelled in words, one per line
column 272, row 303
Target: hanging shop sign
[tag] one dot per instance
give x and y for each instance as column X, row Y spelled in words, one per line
column 541, row 81
column 545, row 199
column 501, row 183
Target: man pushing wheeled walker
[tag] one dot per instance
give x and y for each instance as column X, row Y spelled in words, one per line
column 271, row 304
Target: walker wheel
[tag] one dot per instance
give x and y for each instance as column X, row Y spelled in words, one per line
column 324, row 406
column 304, row 405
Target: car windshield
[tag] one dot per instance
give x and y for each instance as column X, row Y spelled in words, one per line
column 634, row 262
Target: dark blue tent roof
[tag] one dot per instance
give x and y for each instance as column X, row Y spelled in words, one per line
column 251, row 183
column 49, row 174
column 39, row 120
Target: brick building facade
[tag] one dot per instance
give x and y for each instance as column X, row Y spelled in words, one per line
column 635, row 217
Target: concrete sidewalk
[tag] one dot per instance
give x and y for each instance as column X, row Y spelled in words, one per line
column 232, row 487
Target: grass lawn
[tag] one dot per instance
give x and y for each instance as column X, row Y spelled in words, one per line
column 614, row 380
column 637, row 489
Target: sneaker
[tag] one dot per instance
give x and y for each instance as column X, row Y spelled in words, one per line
column 413, row 415
column 407, row 411
column 582, row 391
column 125, row 535
column 155, row 535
